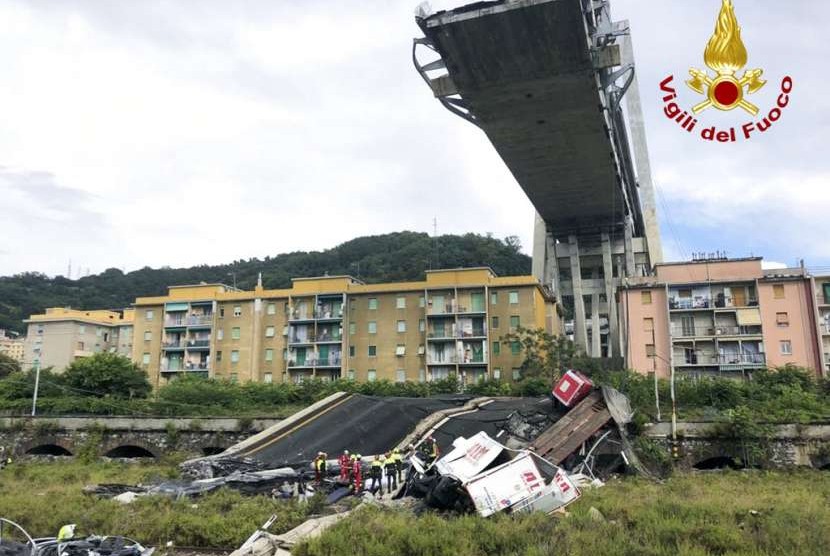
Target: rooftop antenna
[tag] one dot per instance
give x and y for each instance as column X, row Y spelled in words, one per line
column 435, row 241
column 69, row 270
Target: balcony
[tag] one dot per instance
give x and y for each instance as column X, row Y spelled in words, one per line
column 325, row 337
column 186, row 367
column 198, row 344
column 332, row 361
column 446, row 359
column 474, row 333
column 822, row 299
column 712, row 331
column 192, row 320
column 173, row 345
column 329, row 314
column 689, row 303
column 448, row 335
column 301, row 340
column 307, row 363
column 825, row 328
column 749, row 359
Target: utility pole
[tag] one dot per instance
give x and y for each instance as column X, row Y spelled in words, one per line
column 37, row 385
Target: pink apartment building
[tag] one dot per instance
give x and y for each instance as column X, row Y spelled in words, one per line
column 721, row 317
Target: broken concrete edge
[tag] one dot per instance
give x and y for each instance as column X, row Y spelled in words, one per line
column 284, row 425
column 434, row 421
column 262, row 543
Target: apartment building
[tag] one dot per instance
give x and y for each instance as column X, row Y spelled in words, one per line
column 332, row 327
column 61, row 335
column 719, row 316
column 822, row 309
column 12, row 345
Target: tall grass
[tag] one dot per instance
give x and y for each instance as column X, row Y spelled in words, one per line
column 44, row 496
column 688, row 515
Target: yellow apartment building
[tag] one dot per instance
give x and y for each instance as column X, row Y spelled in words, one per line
column 449, row 324
column 12, row 346
column 61, row 335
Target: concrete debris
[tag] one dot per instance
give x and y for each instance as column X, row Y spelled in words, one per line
column 595, row 515
column 262, row 543
column 127, row 497
column 16, row 541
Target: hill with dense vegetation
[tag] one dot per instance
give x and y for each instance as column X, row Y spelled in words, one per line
column 388, row 257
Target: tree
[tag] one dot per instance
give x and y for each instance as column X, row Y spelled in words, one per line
column 545, row 355
column 8, row 365
column 107, row 374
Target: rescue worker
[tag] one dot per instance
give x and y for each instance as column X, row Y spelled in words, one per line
column 391, row 469
column 66, row 532
column 357, row 474
column 345, row 467
column 430, row 449
column 320, row 467
column 398, row 458
column 376, row 474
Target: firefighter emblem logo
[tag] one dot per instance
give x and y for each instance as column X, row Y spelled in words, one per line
column 726, row 55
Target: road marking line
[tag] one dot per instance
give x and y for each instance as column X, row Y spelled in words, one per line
column 301, row 424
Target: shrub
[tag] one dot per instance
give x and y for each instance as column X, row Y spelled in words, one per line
column 107, row 374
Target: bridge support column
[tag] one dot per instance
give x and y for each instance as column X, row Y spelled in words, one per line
column 610, row 296
column 580, row 327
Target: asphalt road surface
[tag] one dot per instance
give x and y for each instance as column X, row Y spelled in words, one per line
column 361, row 424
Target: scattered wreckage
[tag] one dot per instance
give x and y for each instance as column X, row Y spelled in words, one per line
column 16, row 541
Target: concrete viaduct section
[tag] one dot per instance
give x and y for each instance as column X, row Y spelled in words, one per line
column 124, row 437
column 700, row 446
column 545, row 79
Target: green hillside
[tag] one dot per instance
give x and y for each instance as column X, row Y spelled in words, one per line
column 388, row 257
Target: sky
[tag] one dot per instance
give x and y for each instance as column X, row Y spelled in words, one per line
column 175, row 133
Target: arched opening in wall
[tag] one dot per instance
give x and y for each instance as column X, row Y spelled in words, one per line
column 48, row 450
column 212, row 450
column 129, row 451
column 719, row 462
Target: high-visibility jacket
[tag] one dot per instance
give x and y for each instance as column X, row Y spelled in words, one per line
column 390, row 466
column 66, row 532
column 396, row 457
column 376, row 469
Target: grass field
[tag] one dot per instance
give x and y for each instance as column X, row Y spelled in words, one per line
column 689, row 515
column 693, row 514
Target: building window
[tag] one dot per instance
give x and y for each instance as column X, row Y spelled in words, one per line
column 422, row 325
column 648, row 324
column 351, row 351
column 496, row 348
column 237, row 310
column 148, row 314
column 371, row 375
column 422, row 301
column 148, row 335
column 422, row 375
column 400, row 302
column 778, row 291
column 400, row 350
column 645, row 298
column 269, row 354
column 497, row 374
column 650, row 350
column 401, row 326
column 271, row 310
column 235, row 333
column 269, row 331
column 218, row 356
column 373, row 303
column 81, row 347
column 351, row 374
column 495, row 322
column 220, row 334
column 494, row 298
column 786, row 347
column 221, row 312
column 400, row 375
column 285, row 330
column 517, row 373
column 373, row 351
column 515, row 348
column 352, row 328
column 421, row 349
column 145, row 359
column 267, row 378
column 515, row 322
column 373, row 327
column 513, row 298
column 782, row 319
column 235, row 356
